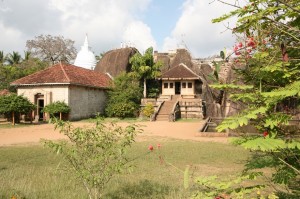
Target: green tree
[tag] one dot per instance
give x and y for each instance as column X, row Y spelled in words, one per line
column 15, row 104
column 144, row 67
column 10, row 73
column 95, row 154
column 124, row 97
column 13, row 58
column 1, row 57
column 27, row 55
column 57, row 108
column 267, row 60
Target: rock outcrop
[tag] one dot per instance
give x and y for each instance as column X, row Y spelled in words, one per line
column 116, row 61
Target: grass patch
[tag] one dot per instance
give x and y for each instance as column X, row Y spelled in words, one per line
column 35, row 172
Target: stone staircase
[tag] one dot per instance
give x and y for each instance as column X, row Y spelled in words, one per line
column 166, row 109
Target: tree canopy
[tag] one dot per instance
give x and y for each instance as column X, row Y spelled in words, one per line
column 13, row 103
column 52, row 48
column 124, row 97
column 144, row 67
column 17, row 68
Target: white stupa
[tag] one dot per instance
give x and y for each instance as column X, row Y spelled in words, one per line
column 85, row 57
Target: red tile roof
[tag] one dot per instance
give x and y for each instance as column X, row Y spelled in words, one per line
column 180, row 71
column 66, row 74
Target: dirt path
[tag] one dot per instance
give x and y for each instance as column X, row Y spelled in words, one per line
column 32, row 134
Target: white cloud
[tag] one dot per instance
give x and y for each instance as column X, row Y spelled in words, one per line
column 108, row 23
column 139, row 35
column 196, row 30
column 10, row 40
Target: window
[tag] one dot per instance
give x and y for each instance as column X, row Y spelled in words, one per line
column 171, row 85
column 165, row 85
column 183, row 85
column 190, row 85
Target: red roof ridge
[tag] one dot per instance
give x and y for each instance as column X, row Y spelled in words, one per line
column 66, row 75
column 188, row 69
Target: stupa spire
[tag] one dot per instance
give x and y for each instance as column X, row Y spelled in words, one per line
column 85, row 57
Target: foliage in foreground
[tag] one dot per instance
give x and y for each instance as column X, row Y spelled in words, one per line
column 267, row 61
column 95, row 154
column 33, row 172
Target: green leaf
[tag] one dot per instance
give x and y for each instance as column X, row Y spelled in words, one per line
column 265, row 144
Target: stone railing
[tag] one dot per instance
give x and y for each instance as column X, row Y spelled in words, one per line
column 154, row 115
column 175, row 112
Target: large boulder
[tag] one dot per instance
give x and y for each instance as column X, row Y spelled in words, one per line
column 116, row 61
column 173, row 59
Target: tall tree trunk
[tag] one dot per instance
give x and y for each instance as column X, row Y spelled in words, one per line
column 60, row 115
column 13, row 118
column 145, row 91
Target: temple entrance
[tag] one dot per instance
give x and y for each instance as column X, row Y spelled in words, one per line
column 177, row 88
column 39, row 102
column 40, row 108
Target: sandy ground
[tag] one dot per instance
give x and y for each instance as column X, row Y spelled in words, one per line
column 32, row 134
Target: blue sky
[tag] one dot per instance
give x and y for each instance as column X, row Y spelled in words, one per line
column 162, row 24
column 162, row 16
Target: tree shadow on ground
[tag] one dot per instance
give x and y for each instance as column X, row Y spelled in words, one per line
column 143, row 189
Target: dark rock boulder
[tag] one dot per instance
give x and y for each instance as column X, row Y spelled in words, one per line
column 116, row 61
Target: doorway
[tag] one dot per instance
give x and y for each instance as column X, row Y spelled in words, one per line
column 177, row 88
column 40, row 106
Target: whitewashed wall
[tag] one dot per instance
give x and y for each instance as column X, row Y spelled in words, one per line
column 85, row 102
column 51, row 93
column 168, row 90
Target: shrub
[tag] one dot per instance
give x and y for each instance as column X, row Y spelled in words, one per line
column 57, row 108
column 124, row 97
column 95, row 154
column 148, row 110
column 14, row 104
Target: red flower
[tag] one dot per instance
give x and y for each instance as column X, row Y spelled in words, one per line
column 237, row 53
column 265, row 134
column 158, row 145
column 150, row 147
column 240, row 45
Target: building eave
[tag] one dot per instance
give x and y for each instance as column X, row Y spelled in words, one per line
column 58, row 84
column 178, row 78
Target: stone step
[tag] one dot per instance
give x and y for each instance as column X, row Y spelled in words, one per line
column 164, row 117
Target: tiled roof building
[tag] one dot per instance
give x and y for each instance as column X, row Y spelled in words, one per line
column 66, row 74
column 82, row 89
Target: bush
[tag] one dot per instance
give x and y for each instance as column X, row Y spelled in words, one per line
column 56, row 108
column 95, row 154
column 14, row 104
column 124, row 97
column 148, row 110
